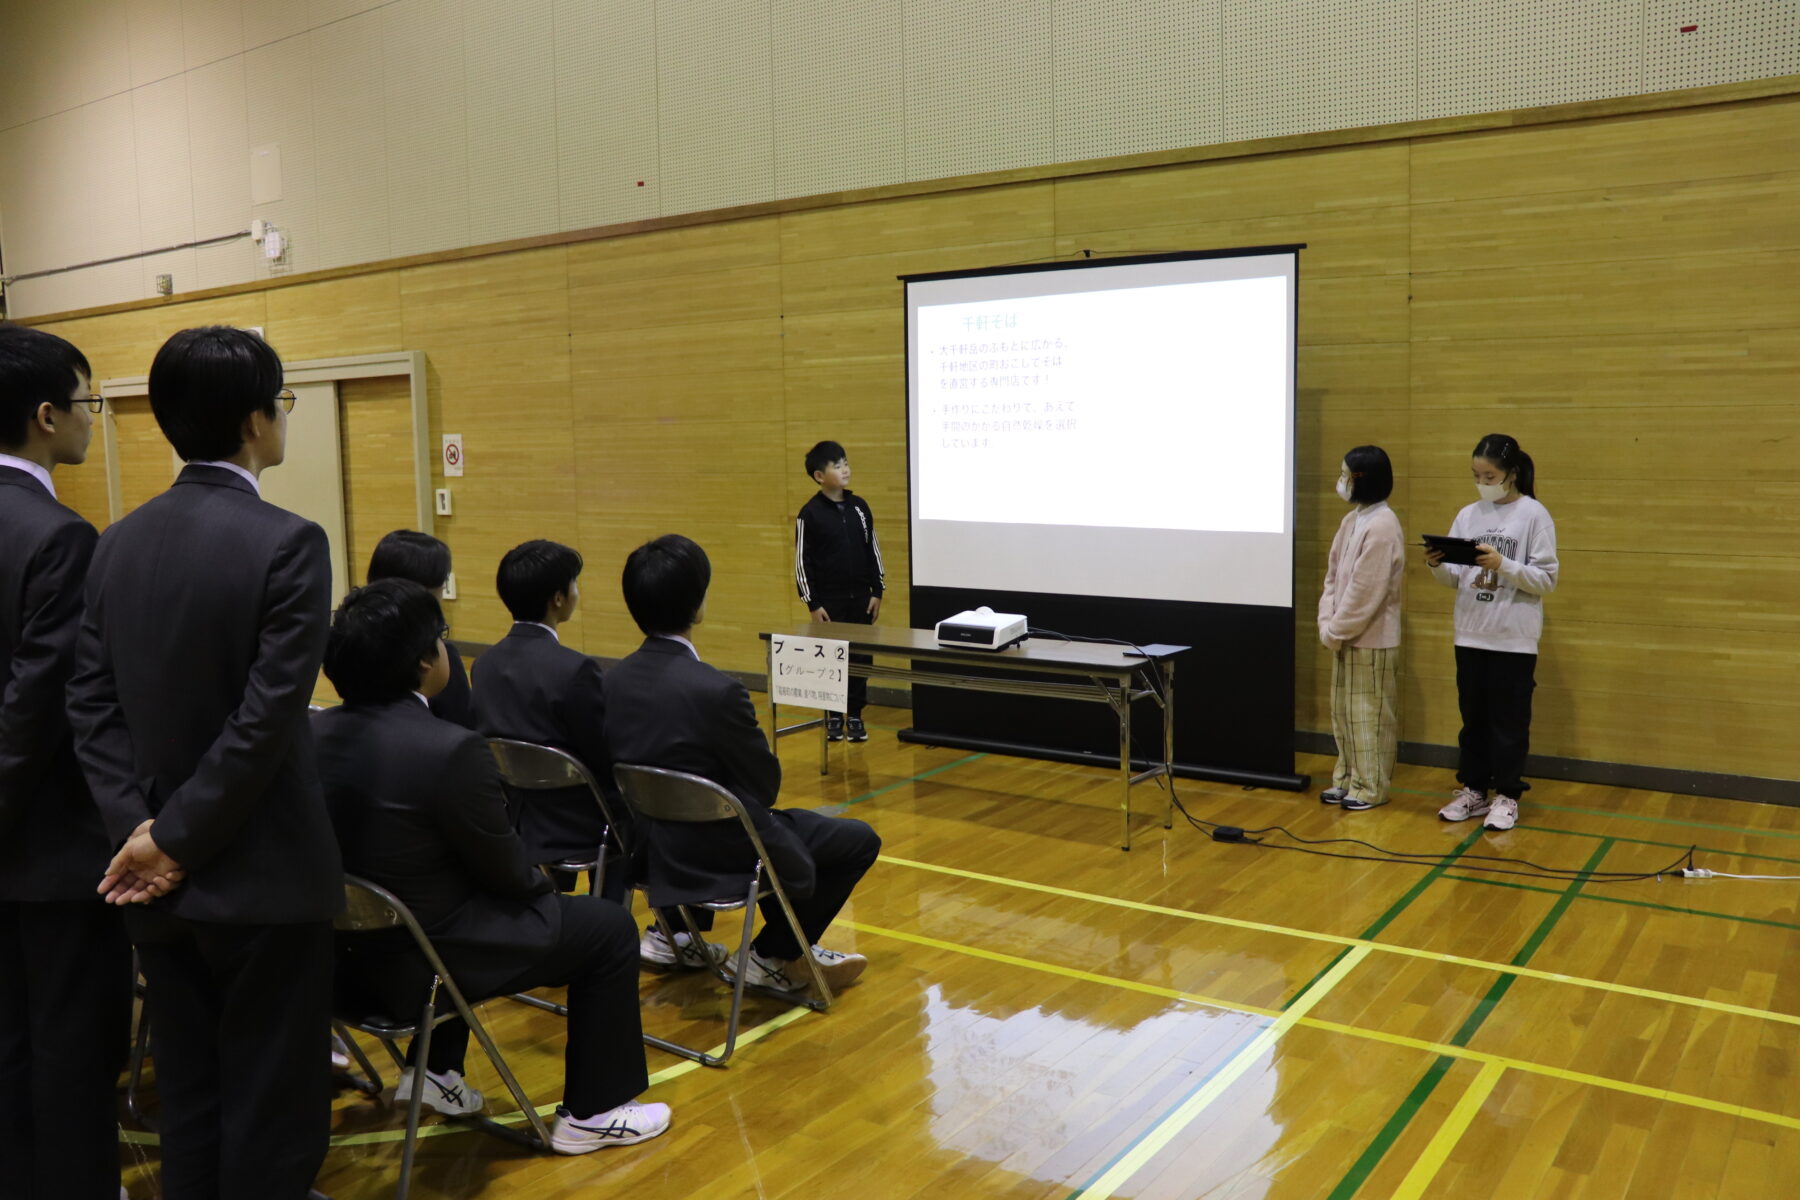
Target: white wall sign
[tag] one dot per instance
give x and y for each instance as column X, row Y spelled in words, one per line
column 809, row 672
column 453, row 454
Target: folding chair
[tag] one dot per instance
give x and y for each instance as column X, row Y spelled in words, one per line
column 529, row 767
column 657, row 794
column 370, row 907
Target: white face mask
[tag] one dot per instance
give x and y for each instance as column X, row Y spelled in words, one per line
column 1493, row 493
column 1343, row 488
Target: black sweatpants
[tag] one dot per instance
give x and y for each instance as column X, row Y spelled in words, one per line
column 1493, row 689
column 240, row 1025
column 843, row 849
column 65, row 1020
column 853, row 610
column 597, row 959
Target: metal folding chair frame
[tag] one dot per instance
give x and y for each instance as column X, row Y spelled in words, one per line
column 659, row 794
column 372, row 907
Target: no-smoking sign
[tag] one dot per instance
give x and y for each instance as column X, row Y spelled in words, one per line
column 453, row 454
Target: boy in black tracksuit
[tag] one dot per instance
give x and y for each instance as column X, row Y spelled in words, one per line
column 837, row 566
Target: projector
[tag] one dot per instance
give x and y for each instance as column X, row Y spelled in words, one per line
column 981, row 628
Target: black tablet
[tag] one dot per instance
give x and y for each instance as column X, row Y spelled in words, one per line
column 1461, row 551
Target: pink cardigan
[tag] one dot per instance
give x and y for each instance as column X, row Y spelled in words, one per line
column 1360, row 603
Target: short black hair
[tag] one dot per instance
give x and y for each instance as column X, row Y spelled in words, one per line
column 665, row 583
column 1371, row 474
column 409, row 554
column 205, row 382
column 35, row 368
column 822, row 456
column 532, row 573
column 379, row 636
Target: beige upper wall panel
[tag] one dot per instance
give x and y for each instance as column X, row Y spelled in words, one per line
column 1292, row 68
column 839, row 95
column 348, row 87
column 606, row 112
column 1693, row 43
column 211, row 30
column 714, row 87
column 58, row 56
column 427, row 127
column 1519, row 53
column 153, row 28
column 978, row 86
column 1133, row 76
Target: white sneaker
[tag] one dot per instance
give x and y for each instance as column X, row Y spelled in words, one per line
column 655, row 951
column 340, row 1054
column 840, row 969
column 1333, row 795
column 626, row 1125
column 1465, row 804
column 448, row 1093
column 1503, row 815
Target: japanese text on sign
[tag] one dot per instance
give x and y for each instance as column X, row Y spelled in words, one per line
column 809, row 672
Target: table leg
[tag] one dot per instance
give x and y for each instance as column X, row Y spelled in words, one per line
column 824, row 747
column 1168, row 703
column 1124, row 707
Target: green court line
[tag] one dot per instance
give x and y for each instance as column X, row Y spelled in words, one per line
column 1625, row 816
column 1371, row 1157
column 1625, row 841
column 1599, row 899
column 882, row 791
column 1395, row 909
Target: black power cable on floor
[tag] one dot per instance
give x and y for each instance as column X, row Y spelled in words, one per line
column 1470, row 862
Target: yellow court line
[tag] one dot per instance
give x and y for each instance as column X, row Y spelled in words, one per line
column 1149, row 989
column 1373, row 1035
column 1426, row 1167
column 1334, row 939
column 1190, row 1109
column 132, row 1137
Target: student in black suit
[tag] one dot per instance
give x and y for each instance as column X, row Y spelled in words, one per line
column 206, row 616
column 409, row 554
column 532, row 688
column 418, row 808
column 65, row 966
column 671, row 710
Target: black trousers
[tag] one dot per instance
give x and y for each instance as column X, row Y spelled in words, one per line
column 597, row 959
column 1493, row 689
column 65, row 1021
column 240, row 1025
column 843, row 849
column 853, row 610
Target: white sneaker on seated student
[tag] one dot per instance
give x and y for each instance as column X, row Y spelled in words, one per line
column 418, row 808
column 668, row 709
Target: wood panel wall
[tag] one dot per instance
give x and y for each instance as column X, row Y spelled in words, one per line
column 1619, row 293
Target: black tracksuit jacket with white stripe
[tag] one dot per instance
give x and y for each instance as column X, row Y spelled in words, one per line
column 836, row 553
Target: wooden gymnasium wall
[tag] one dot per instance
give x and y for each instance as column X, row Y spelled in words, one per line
column 1618, row 292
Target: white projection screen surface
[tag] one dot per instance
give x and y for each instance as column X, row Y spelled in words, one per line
column 1110, row 428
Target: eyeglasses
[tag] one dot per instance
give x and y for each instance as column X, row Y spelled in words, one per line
column 285, row 398
column 443, row 632
column 94, row 402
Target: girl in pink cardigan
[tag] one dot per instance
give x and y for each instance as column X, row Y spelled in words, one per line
column 1359, row 622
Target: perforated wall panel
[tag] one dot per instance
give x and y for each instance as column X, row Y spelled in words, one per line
column 211, row 30
column 978, row 86
column 165, row 186
column 219, row 158
column 351, row 146
column 1135, row 76
column 840, row 95
column 713, row 103
column 1519, row 53
column 427, row 126
column 1730, row 40
column 511, row 95
column 153, row 29
column 606, row 123
column 279, row 78
column 1336, row 65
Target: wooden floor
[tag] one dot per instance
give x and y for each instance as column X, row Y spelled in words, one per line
column 1045, row 1016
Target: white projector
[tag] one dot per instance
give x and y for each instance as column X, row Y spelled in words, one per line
column 981, row 628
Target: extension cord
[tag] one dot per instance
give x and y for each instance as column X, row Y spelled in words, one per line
column 1696, row 873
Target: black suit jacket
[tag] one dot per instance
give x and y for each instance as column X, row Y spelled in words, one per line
column 52, row 846
column 668, row 709
column 418, row 808
column 455, row 703
column 532, row 688
column 206, row 616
